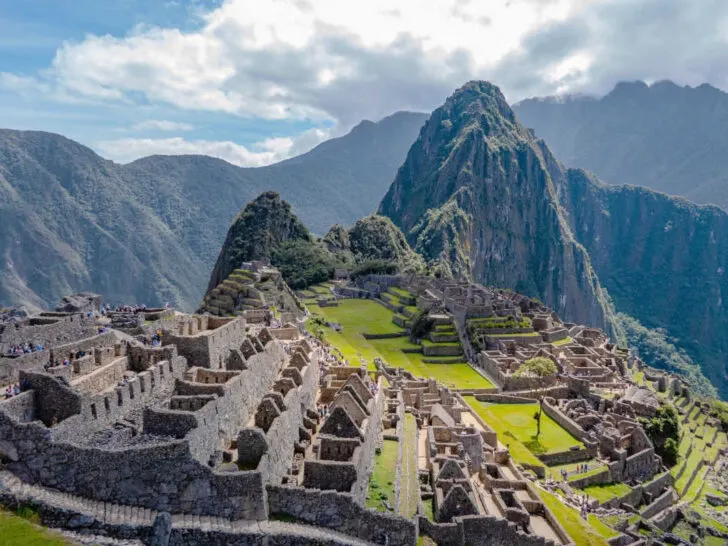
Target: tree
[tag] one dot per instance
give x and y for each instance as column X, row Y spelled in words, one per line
column 540, row 369
column 664, row 431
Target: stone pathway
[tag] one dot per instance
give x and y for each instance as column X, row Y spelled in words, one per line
column 110, row 514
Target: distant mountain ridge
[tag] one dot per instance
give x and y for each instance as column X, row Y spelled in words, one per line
column 149, row 231
column 662, row 136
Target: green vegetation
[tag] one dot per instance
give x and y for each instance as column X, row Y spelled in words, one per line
column 384, row 478
column 539, row 369
column 591, row 532
column 514, row 425
column 409, row 493
column 377, row 238
column 607, row 492
column 518, row 422
column 564, row 341
column 24, row 531
column 658, row 350
column 358, row 317
column 664, row 431
column 303, row 263
column 422, row 325
column 374, row 267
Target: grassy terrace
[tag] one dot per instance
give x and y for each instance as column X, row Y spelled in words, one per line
column 516, row 422
column 607, row 492
column 358, row 317
column 384, row 477
column 591, row 532
column 409, row 493
column 22, row 532
column 564, row 341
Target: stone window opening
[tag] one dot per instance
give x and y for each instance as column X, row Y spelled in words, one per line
column 119, row 398
column 93, row 411
column 107, row 405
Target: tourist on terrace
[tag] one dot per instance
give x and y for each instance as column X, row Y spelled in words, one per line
column 9, row 392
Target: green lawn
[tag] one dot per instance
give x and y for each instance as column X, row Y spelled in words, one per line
column 584, row 533
column 360, row 317
column 607, row 492
column 409, row 494
column 519, row 452
column 519, row 422
column 21, row 532
column 384, row 477
column 366, row 316
column 564, row 341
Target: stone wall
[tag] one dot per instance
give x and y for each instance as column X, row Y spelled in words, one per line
column 661, row 503
column 341, row 512
column 565, row 457
column 208, row 347
column 483, row 530
column 605, row 476
column 284, row 432
column 132, row 475
column 564, row 421
column 48, row 329
column 641, row 466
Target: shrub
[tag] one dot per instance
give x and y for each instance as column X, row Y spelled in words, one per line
column 422, row 325
column 664, row 431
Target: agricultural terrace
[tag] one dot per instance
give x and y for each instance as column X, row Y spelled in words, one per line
column 591, row 532
column 358, row 317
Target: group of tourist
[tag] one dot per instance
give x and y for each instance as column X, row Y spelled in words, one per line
column 12, row 390
column 581, row 468
column 129, row 308
column 25, row 348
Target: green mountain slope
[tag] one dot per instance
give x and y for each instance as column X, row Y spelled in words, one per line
column 663, row 261
column 476, row 194
column 267, row 230
column 663, row 136
column 150, row 231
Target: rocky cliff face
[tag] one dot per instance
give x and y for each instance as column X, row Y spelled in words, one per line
column 476, row 194
column 663, row 261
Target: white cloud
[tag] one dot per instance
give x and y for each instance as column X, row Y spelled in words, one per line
column 344, row 61
column 263, row 153
column 161, row 125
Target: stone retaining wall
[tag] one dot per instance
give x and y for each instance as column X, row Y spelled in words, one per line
column 342, row 513
column 661, row 503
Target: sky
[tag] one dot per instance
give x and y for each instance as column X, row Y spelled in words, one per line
column 256, row 81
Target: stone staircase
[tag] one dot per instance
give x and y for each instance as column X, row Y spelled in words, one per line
column 127, row 521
